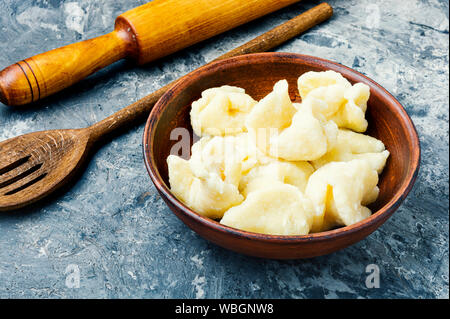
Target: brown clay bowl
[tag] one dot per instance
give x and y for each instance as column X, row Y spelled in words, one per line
column 257, row 73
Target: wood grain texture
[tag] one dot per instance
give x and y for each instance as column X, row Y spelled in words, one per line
column 31, row 79
column 264, row 42
column 145, row 33
column 36, row 164
column 158, row 33
column 257, row 73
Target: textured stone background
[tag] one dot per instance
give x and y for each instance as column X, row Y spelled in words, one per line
column 126, row 243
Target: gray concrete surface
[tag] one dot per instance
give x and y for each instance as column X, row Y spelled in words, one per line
column 112, row 228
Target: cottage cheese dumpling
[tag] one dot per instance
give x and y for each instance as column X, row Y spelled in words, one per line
column 226, row 156
column 208, row 182
column 275, row 110
column 221, row 111
column 216, row 155
column 350, row 145
column 210, row 196
column 352, row 114
column 293, row 173
column 344, row 104
column 289, row 132
column 280, row 209
column 307, row 138
column 340, row 191
column 332, row 95
column 311, row 80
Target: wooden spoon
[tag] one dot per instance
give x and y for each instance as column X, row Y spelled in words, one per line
column 34, row 165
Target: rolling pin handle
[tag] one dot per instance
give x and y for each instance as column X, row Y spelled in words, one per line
column 34, row 78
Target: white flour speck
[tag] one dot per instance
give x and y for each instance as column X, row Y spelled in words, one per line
column 18, row 128
column 35, row 17
column 197, row 261
column 132, row 275
column 199, row 283
column 75, row 17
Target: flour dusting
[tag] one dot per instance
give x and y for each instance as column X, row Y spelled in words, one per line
column 20, row 127
column 35, row 18
column 199, row 283
column 75, row 18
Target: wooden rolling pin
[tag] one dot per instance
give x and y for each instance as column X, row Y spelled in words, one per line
column 145, row 33
column 36, row 164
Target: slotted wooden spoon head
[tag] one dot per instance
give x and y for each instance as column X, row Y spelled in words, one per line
column 36, row 164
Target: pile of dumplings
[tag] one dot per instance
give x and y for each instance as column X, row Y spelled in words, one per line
column 278, row 167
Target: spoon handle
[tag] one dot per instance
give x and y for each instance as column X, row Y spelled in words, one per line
column 267, row 41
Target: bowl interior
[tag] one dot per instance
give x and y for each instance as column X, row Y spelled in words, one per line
column 257, row 73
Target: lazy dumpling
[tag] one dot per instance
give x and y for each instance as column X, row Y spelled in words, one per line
column 226, row 156
column 275, row 110
column 344, row 104
column 311, row 80
column 307, row 138
column 350, row 145
column 209, row 195
column 289, row 132
column 221, row 111
column 280, row 209
column 340, row 192
column 292, row 173
column 209, row 156
column 352, row 114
